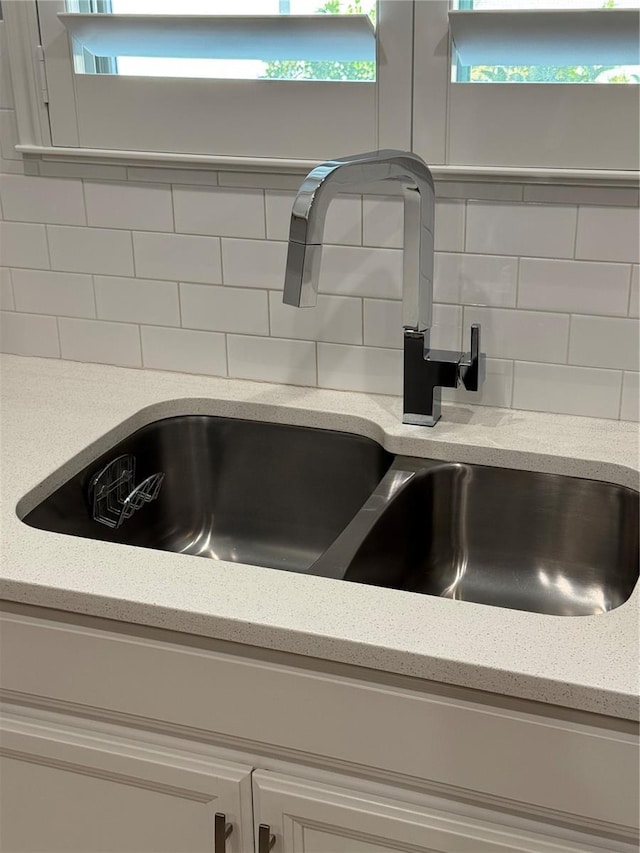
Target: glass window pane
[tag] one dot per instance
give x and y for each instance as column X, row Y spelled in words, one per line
column 248, row 69
column 596, row 73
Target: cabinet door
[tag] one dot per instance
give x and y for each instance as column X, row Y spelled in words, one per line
column 67, row 789
column 309, row 817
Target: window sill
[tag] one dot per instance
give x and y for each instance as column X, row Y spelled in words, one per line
column 278, row 167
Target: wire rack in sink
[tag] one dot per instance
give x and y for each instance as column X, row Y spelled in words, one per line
column 114, row 498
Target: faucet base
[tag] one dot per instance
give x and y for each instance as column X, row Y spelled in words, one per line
column 420, row 420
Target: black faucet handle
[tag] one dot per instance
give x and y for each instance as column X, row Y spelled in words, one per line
column 472, row 367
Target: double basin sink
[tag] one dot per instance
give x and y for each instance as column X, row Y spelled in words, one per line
column 338, row 505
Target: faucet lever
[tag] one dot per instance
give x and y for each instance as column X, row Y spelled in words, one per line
column 472, row 366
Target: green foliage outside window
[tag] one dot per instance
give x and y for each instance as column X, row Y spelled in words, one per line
column 292, row 69
column 550, row 74
column 366, row 71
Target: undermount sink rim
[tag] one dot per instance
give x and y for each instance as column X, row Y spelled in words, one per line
column 158, row 411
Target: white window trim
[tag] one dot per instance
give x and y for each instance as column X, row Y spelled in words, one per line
column 372, row 115
column 266, row 165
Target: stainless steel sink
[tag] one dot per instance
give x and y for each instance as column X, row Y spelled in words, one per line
column 539, row 542
column 246, row 491
column 339, row 506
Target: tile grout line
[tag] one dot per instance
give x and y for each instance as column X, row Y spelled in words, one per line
column 575, row 235
column 173, row 207
column 12, row 288
column 95, row 298
column 621, row 395
column 513, row 383
column 226, row 353
column 59, row 337
column 84, row 202
column 568, row 350
column 264, row 215
column 46, row 239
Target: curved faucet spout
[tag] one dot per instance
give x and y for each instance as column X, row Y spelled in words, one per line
column 356, row 172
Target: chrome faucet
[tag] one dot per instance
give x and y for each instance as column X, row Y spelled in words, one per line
column 426, row 370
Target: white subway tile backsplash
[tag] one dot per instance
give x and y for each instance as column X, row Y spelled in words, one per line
column 567, row 390
column 58, row 293
column 141, row 207
column 29, row 334
column 524, row 335
column 23, row 245
column 184, row 350
column 219, row 212
column 254, row 263
column 605, row 342
column 383, row 222
column 574, row 286
column 630, row 407
column 198, row 177
column 634, row 298
column 475, row 279
column 496, row 389
column 336, row 319
column 224, row 309
column 259, row 180
column 272, row 360
column 383, row 323
column 137, row 300
column 355, row 271
column 484, row 190
column 91, row 171
column 105, row 343
column 177, row 257
column 546, row 231
column 608, row 234
column 93, row 250
column 446, row 328
column 343, row 223
column 548, row 281
column 50, row 200
column 6, row 290
column 348, row 368
column 545, row 193
column 450, row 226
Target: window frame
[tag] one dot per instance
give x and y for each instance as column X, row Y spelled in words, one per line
column 471, row 127
column 364, row 115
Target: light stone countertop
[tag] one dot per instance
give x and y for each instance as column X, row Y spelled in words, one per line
column 56, row 414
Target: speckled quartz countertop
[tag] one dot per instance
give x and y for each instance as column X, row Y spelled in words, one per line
column 55, row 415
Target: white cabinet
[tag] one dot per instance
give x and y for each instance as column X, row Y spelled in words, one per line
column 68, row 786
column 121, row 739
column 310, row 817
column 66, row 789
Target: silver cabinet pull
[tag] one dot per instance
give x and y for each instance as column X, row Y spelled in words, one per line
column 265, row 839
column 221, row 831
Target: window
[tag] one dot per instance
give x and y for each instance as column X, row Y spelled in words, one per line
column 529, row 123
column 260, row 39
column 228, row 85
column 423, row 74
column 520, row 42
